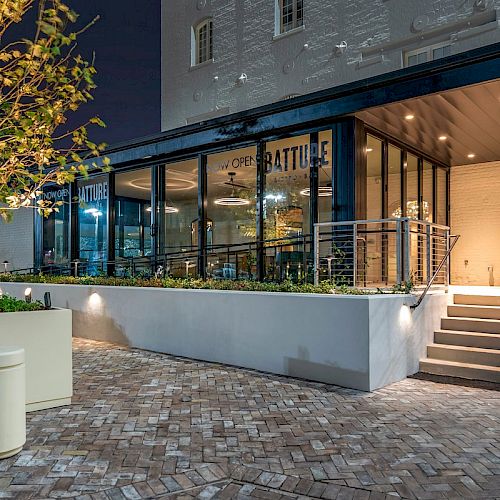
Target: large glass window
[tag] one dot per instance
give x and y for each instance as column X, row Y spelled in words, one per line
column 374, row 194
column 441, row 196
column 286, row 206
column 427, row 192
column 231, row 213
column 394, row 195
column 93, row 222
column 133, row 213
column 325, row 176
column 412, row 180
column 55, row 231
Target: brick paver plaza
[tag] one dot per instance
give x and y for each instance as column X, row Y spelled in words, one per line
column 146, row 425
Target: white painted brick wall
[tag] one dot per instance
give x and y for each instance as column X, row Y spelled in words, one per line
column 475, row 216
column 243, row 43
column 16, row 240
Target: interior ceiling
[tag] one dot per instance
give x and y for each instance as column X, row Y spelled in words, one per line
column 469, row 117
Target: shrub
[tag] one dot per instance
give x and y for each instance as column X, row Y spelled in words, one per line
column 11, row 304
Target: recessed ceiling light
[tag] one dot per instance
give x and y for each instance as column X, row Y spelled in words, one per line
column 471, row 155
column 409, row 117
column 442, row 138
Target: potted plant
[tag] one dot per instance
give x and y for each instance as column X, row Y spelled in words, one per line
column 45, row 334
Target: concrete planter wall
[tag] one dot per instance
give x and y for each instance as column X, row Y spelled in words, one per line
column 363, row 342
column 46, row 339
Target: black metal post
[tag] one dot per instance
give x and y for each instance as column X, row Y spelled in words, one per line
column 202, row 216
column 261, row 189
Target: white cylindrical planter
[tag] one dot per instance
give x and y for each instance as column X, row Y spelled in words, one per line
column 12, row 401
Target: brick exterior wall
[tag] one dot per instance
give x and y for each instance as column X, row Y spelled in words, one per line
column 475, row 215
column 16, row 240
column 276, row 67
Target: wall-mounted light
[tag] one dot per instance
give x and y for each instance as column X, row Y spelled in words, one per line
column 340, row 48
column 409, row 117
column 27, row 295
column 442, row 138
column 471, row 155
column 242, row 79
column 5, row 265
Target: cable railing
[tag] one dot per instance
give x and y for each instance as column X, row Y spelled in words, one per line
column 381, row 253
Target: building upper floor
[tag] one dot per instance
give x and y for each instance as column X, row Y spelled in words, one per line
column 224, row 56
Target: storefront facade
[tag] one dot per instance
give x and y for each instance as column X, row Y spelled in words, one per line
column 237, row 197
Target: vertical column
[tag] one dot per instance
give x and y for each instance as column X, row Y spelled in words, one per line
column 74, row 229
column 202, row 216
column 349, row 170
column 261, row 189
column 111, row 224
column 158, row 217
column 313, row 199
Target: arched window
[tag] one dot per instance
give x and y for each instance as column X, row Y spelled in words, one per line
column 203, row 42
column 291, row 14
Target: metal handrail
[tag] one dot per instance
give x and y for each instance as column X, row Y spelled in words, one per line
column 436, row 273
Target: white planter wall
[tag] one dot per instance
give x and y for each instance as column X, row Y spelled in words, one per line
column 363, row 342
column 46, row 339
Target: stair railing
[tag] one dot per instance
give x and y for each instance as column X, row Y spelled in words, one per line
column 453, row 242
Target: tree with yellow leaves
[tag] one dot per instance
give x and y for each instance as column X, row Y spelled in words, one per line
column 41, row 82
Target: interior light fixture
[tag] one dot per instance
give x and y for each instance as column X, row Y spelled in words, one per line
column 90, row 211
column 233, row 200
column 27, row 295
column 323, row 191
column 369, row 150
column 168, row 210
column 275, row 197
column 409, row 117
column 471, row 155
column 442, row 138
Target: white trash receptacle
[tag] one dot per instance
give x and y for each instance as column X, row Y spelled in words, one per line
column 12, row 401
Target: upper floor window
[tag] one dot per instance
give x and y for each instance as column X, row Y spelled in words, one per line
column 203, row 42
column 425, row 54
column 291, row 14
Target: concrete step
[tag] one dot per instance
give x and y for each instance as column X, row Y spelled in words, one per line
column 471, row 325
column 480, row 312
column 477, row 300
column 460, row 370
column 463, row 354
column 467, row 339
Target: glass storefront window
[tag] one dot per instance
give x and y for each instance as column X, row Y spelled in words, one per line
column 441, row 196
column 231, row 213
column 325, row 190
column 427, row 192
column 394, row 195
column 412, row 177
column 55, row 230
column 287, row 206
column 93, row 194
column 180, row 216
column 374, row 191
column 133, row 214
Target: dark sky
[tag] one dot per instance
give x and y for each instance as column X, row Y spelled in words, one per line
column 126, row 42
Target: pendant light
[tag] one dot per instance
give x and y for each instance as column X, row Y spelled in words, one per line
column 233, row 200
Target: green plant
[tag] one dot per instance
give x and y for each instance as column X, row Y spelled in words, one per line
column 11, row 304
column 324, row 287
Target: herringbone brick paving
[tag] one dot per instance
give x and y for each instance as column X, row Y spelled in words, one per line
column 146, row 425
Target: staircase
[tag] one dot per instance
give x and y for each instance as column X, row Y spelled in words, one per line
column 468, row 343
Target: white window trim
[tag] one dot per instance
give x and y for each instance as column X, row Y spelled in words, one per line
column 427, row 48
column 195, row 45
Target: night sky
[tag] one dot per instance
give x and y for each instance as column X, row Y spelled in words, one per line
column 126, row 42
